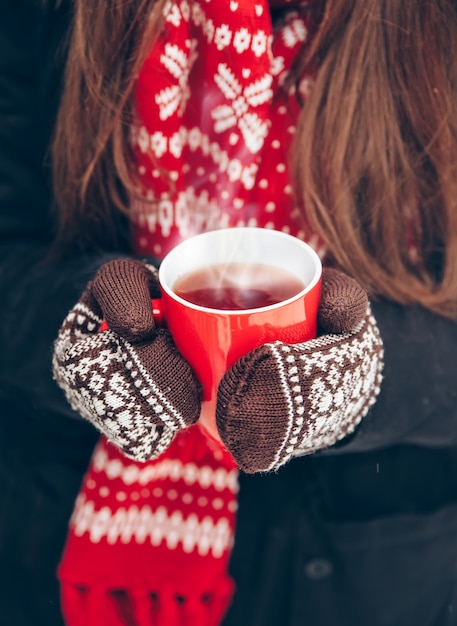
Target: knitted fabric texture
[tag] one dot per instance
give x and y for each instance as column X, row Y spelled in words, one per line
column 123, row 288
column 318, row 391
column 137, row 394
column 214, row 123
column 149, row 542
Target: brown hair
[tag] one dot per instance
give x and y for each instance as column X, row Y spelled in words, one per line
column 375, row 155
column 108, row 44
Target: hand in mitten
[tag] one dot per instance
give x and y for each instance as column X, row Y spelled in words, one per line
column 129, row 381
column 281, row 401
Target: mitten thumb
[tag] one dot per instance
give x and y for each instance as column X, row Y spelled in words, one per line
column 343, row 303
column 123, row 289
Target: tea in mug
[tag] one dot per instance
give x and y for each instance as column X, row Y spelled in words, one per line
column 237, row 286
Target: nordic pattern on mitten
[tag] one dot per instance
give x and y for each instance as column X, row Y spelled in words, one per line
column 282, row 400
column 122, row 388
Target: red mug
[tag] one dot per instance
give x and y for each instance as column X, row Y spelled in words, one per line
column 213, row 339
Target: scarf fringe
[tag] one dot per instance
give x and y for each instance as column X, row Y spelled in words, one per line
column 139, row 606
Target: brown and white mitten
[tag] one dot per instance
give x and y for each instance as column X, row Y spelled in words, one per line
column 129, row 381
column 281, row 401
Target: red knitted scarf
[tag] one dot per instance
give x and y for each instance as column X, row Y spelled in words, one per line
column 149, row 543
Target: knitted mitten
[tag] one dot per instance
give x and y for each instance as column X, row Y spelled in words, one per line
column 284, row 400
column 129, row 381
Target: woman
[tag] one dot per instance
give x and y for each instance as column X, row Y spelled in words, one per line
column 350, row 534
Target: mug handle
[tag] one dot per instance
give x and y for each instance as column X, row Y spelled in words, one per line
column 157, row 312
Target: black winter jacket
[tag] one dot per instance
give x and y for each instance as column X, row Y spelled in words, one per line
column 361, row 534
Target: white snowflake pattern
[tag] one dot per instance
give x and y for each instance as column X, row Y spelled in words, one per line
column 179, row 63
column 259, row 43
column 194, row 138
column 242, row 40
column 222, row 36
column 172, row 14
column 294, row 33
column 236, row 111
column 158, row 143
column 176, row 144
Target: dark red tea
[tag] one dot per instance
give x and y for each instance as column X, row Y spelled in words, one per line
column 237, row 286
